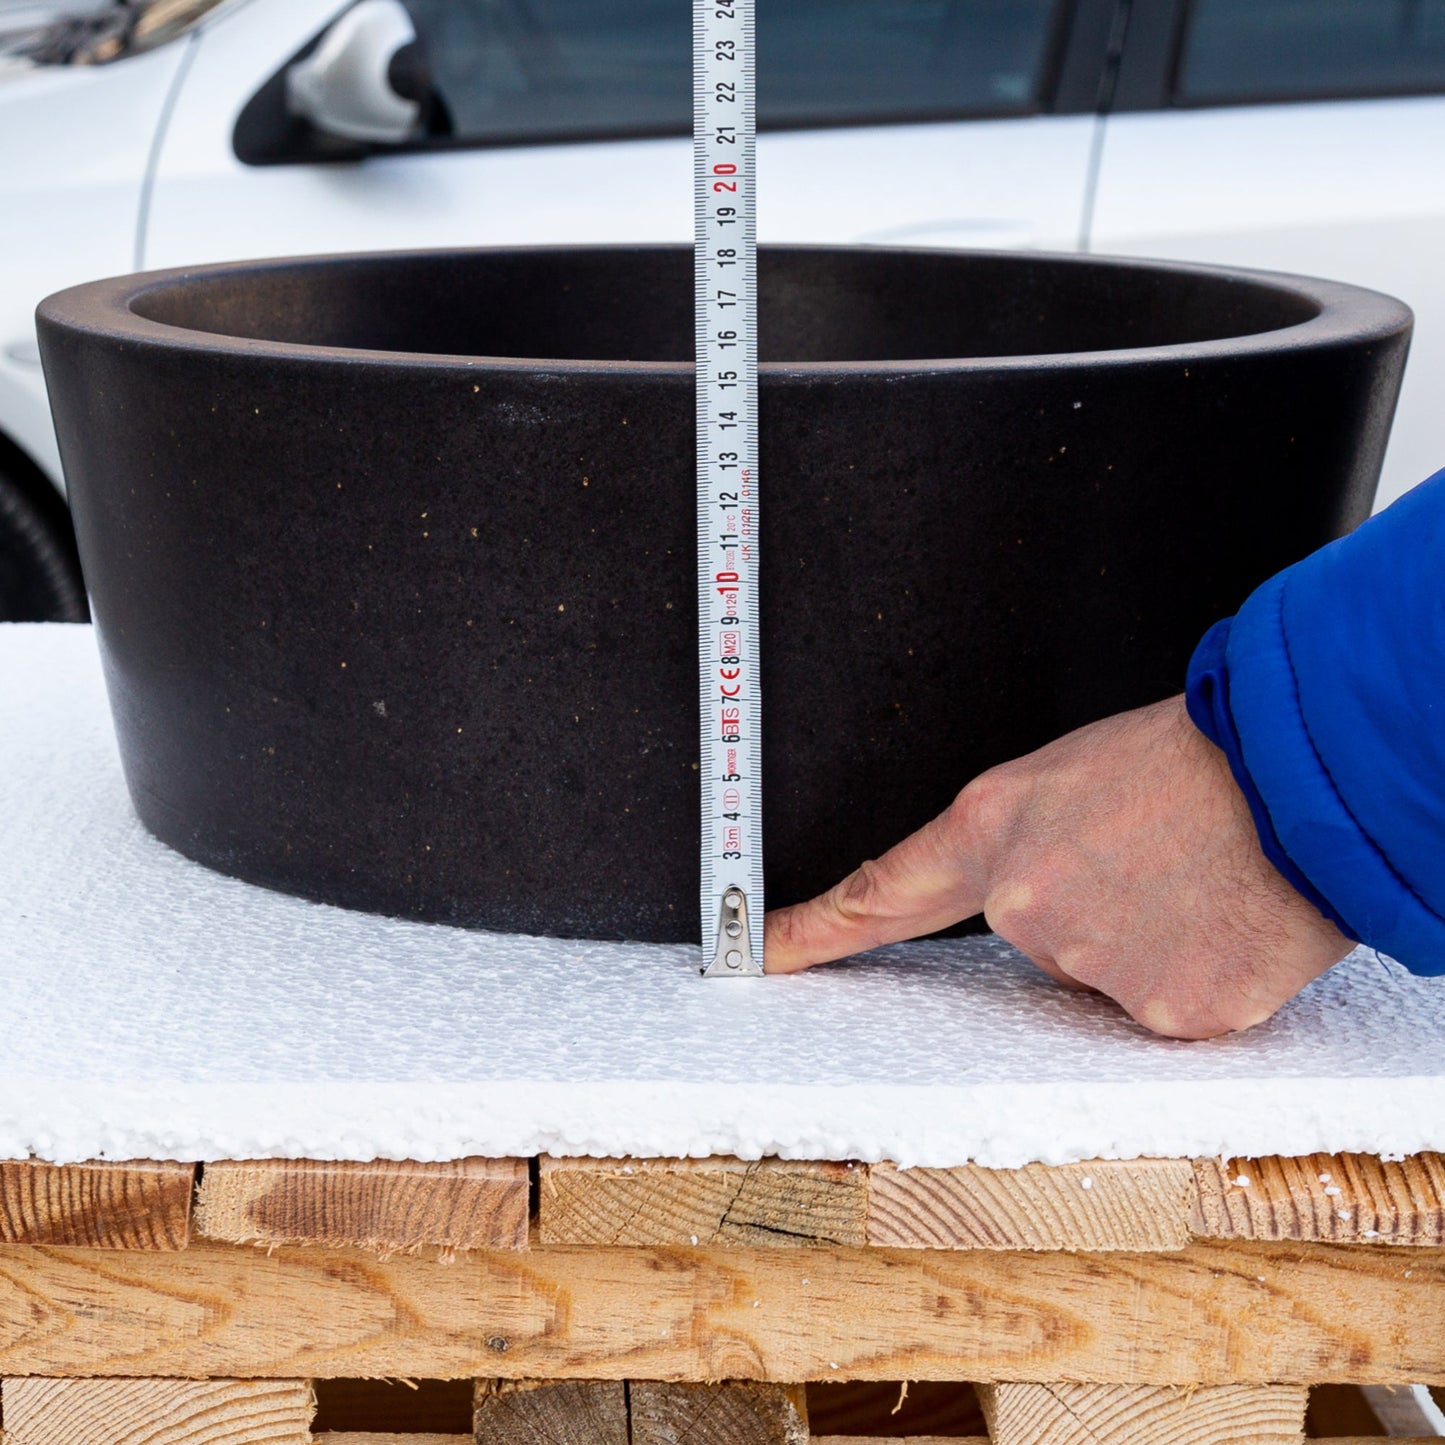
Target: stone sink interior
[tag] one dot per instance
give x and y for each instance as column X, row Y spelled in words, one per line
column 815, row 306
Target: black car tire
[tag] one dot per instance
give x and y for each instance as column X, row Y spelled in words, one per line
column 39, row 571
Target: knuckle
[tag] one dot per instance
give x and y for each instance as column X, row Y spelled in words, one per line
column 988, row 803
column 855, row 898
column 1239, row 1014
column 856, row 906
column 1159, row 1018
column 1018, row 910
column 1010, row 908
column 1088, row 967
column 1175, row 1020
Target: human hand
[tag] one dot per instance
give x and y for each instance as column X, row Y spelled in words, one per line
column 1120, row 858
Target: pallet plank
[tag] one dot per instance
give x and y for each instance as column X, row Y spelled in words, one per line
column 370, row 1437
column 129, row 1204
column 551, row 1412
column 1133, row 1204
column 1344, row 1198
column 156, row 1412
column 1215, row 1312
column 1076, row 1414
column 381, row 1204
column 701, row 1202
column 1398, row 1410
column 731, row 1413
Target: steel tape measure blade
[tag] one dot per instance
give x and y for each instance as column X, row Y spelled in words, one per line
column 725, row 272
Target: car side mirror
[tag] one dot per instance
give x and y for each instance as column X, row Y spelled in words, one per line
column 367, row 79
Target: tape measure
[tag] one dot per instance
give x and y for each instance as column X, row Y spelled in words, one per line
column 725, row 267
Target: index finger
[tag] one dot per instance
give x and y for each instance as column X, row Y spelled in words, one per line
column 928, row 881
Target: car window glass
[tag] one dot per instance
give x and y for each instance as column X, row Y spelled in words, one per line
column 516, row 70
column 1240, row 50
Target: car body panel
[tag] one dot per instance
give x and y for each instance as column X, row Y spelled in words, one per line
column 986, row 182
column 1349, row 189
column 76, row 142
column 115, row 167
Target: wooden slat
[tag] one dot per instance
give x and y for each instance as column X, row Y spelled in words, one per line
column 132, row 1204
column 382, row 1204
column 156, row 1412
column 369, row 1437
column 551, row 1412
column 1074, row 1414
column 1215, row 1312
column 1136, row 1204
column 1345, row 1198
column 701, row 1202
column 344, row 1437
column 1398, row 1411
column 735, row 1413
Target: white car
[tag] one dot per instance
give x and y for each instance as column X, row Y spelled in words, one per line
column 1274, row 133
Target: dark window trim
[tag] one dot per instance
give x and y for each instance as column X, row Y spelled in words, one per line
column 1153, row 38
column 1069, row 51
column 1312, row 97
column 1089, row 59
column 1151, row 70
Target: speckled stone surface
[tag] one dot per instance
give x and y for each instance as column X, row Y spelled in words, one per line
column 150, row 1007
column 399, row 619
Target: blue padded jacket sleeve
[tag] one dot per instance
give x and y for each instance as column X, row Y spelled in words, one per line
column 1327, row 693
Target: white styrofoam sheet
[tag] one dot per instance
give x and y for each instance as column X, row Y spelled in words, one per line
column 152, row 1008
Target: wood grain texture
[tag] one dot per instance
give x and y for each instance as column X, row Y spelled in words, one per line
column 156, row 1412
column 131, row 1204
column 382, row 1204
column 370, row 1437
column 733, row 1413
column 1065, row 1414
column 1215, row 1312
column 1133, row 1204
column 1398, row 1410
column 551, row 1412
column 701, row 1202
column 1345, row 1198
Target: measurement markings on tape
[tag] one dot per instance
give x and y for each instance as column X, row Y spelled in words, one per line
column 725, row 261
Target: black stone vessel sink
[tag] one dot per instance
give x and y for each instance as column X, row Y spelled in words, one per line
column 392, row 556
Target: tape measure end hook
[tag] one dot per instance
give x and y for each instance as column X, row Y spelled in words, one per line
column 733, row 956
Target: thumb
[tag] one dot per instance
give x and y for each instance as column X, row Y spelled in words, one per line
column 932, row 879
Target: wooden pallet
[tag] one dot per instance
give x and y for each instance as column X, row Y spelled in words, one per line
column 577, row 1300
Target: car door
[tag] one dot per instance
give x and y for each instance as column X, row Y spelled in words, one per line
column 1298, row 135
column 907, row 121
